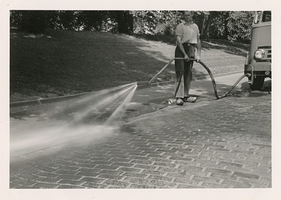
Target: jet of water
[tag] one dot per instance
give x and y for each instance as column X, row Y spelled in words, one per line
column 118, row 113
column 97, row 105
column 52, row 133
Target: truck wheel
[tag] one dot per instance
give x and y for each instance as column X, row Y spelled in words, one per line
column 257, row 83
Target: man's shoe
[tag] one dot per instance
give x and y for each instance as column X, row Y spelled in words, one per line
column 190, row 99
column 179, row 102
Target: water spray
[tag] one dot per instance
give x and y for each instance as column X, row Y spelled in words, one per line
column 94, row 104
column 68, row 125
column 118, row 113
column 209, row 72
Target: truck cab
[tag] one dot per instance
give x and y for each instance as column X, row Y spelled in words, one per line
column 258, row 61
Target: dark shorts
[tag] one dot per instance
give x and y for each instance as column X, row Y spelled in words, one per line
column 189, row 50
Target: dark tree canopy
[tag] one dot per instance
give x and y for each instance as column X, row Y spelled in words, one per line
column 230, row 25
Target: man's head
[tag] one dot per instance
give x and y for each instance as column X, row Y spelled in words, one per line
column 188, row 16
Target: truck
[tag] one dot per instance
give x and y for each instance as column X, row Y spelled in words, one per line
column 258, row 61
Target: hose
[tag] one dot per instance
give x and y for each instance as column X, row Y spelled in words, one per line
column 209, row 72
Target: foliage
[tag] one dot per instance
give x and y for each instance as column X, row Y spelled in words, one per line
column 239, row 26
column 217, row 24
column 230, row 25
column 30, row 21
column 155, row 22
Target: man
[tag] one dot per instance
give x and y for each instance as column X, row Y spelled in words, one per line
column 187, row 40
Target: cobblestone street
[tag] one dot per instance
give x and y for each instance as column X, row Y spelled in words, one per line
column 222, row 143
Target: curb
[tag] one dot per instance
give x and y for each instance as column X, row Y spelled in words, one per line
column 141, row 85
column 46, row 100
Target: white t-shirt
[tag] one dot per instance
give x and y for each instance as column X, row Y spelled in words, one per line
column 188, row 33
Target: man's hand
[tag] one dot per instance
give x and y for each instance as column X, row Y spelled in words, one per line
column 197, row 58
column 186, row 57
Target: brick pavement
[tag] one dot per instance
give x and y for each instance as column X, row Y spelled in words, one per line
column 209, row 144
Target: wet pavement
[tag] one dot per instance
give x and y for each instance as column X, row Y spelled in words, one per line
column 212, row 143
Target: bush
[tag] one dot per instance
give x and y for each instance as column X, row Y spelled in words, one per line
column 239, row 26
column 30, row 21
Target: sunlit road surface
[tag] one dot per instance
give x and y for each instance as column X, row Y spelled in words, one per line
column 214, row 144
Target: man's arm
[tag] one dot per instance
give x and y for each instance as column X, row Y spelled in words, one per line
column 179, row 44
column 198, row 48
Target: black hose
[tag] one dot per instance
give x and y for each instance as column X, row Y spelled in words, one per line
column 210, row 74
column 214, row 82
column 178, row 86
column 212, row 78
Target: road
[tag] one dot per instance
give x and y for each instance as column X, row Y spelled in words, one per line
column 212, row 143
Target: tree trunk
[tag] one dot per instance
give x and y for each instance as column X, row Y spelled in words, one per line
column 207, row 29
column 203, row 25
column 125, row 22
column 226, row 19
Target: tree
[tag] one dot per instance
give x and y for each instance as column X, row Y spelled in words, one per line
column 155, row 22
column 93, row 20
column 230, row 25
column 239, row 26
column 125, row 21
column 29, row 21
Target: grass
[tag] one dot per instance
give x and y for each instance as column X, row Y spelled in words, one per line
column 67, row 62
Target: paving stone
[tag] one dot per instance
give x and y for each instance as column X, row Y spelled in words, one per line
column 236, row 184
column 127, row 169
column 109, row 167
column 156, row 159
column 223, row 163
column 158, row 177
column 45, row 185
column 154, row 183
column 44, row 174
column 90, row 173
column 184, row 160
column 87, row 165
column 65, row 172
column 142, row 186
column 121, row 164
column 212, row 185
column 45, row 169
column 47, row 179
column 187, row 162
column 142, row 161
column 136, row 175
column 180, row 174
column 143, row 166
column 91, row 180
column 191, row 168
column 109, row 176
column 159, row 171
column 164, row 163
column 187, row 181
column 69, row 177
column 246, row 175
column 206, row 179
column 69, row 186
column 70, row 182
column 93, row 185
column 182, row 186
